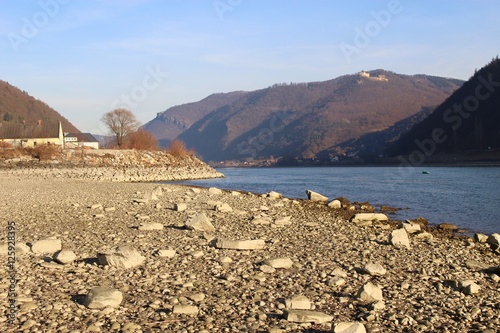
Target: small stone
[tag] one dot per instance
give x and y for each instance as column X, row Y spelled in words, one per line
column 370, row 293
column 65, row 257
column 447, row 226
column 336, row 281
column 180, row 207
column 298, row 302
column 166, row 253
column 47, row 245
column 21, row 248
column 274, row 195
column 185, row 309
column 121, row 257
column 279, row 263
column 109, row 209
column 254, row 244
column 374, row 269
column 350, row 327
column 151, row 226
column 102, row 297
column 469, row 287
column 223, row 208
column 305, row 316
column 480, row 238
column 28, row 324
column 200, row 222
column 399, row 238
column 214, row 191
column 197, row 297
column 283, row 222
column 369, row 217
column 28, row 306
column 335, row 204
column 96, row 206
column 411, row 228
column 494, row 241
column 424, row 236
column 314, row 196
column 267, row 269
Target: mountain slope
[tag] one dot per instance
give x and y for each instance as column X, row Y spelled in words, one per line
column 304, row 119
column 467, row 121
column 172, row 122
column 18, row 106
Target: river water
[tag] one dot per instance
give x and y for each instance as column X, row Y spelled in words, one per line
column 468, row 197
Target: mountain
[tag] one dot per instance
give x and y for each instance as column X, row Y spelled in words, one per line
column 466, row 122
column 172, row 122
column 305, row 119
column 17, row 106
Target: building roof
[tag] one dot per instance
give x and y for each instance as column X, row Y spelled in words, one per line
column 82, row 137
column 10, row 130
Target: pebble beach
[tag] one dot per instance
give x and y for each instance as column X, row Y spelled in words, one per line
column 114, row 256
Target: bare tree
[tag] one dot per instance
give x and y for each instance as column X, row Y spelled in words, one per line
column 120, row 122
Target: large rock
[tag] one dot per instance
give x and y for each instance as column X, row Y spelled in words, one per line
column 370, row 293
column 314, row 196
column 274, row 195
column 252, row 244
column 279, row 262
column 47, row 245
column 305, row 316
column 364, row 217
column 103, row 297
column 121, row 257
column 200, row 222
column 411, row 228
column 399, row 238
column 350, row 327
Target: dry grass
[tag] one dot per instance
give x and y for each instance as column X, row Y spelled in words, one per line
column 178, row 149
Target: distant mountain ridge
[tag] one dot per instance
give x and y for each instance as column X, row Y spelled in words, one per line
column 303, row 119
column 468, row 121
column 16, row 106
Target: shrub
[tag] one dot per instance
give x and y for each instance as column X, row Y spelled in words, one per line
column 4, row 144
column 44, row 152
column 178, row 149
column 141, row 140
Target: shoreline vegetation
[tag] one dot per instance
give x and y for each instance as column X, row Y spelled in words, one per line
column 108, row 253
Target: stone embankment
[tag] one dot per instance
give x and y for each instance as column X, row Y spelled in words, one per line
column 110, row 165
column 138, row 257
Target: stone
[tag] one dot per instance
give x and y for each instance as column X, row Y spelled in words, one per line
column 370, row 293
column 447, row 226
column 274, row 195
column 103, row 297
column 223, row 208
column 185, row 309
column 480, row 238
column 494, row 241
column 197, row 297
column 262, row 220
column 314, row 196
column 298, row 302
column 279, row 263
column 336, row 281
column 47, row 245
column 151, row 226
column 166, row 253
column 28, row 306
column 374, row 269
column 339, row 272
column 121, row 257
column 267, row 269
column 424, row 236
column 364, row 217
column 180, row 207
column 146, row 198
column 306, row 316
column 200, row 222
column 399, row 238
column 350, row 327
column 335, row 204
column 283, row 221
column 469, row 287
column 64, row 257
column 253, row 244
column 21, row 248
column 214, row 191
column 411, row 228
column 96, row 206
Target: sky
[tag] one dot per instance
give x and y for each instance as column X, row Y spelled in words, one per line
column 87, row 57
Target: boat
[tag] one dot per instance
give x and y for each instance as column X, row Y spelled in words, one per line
column 425, row 172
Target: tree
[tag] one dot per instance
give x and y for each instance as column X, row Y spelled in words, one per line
column 120, row 122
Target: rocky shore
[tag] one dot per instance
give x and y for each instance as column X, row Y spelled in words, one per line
column 109, row 165
column 140, row 257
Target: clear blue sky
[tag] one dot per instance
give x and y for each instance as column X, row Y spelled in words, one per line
column 85, row 57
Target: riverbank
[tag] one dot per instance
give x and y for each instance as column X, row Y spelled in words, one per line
column 108, row 165
column 190, row 281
